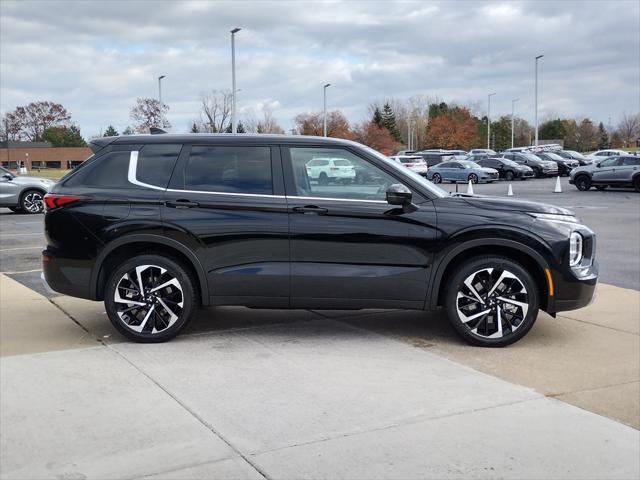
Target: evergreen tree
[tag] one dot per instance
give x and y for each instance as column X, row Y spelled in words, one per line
column 127, row 131
column 64, row 137
column 389, row 122
column 239, row 128
column 194, row 128
column 603, row 137
column 110, row 132
column 377, row 117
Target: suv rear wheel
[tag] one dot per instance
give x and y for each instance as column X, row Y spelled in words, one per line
column 31, row 201
column 150, row 298
column 492, row 301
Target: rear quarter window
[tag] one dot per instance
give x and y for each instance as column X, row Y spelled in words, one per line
column 110, row 171
column 156, row 162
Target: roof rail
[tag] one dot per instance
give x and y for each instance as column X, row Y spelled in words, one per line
column 156, row 131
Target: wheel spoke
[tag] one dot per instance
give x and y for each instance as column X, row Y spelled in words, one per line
column 173, row 281
column 467, row 282
column 140, row 327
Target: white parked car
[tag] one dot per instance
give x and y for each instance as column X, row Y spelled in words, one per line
column 477, row 151
column 413, row 162
column 602, row 154
column 326, row 170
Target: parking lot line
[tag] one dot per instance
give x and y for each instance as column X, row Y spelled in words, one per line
column 23, row 271
column 12, row 234
column 20, row 248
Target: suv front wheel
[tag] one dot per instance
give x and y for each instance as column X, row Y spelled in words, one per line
column 492, row 301
column 150, row 298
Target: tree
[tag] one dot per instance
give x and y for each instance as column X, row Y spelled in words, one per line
column 149, row 113
column 437, row 109
column 267, row 124
column 376, row 137
column 215, row 110
column 454, row 129
column 312, row 124
column 128, row 131
column 571, row 134
column 629, row 128
column 552, row 130
column 377, row 117
column 389, row 122
column 64, row 136
column 603, row 137
column 586, row 136
column 239, row 128
column 30, row 121
column 195, row 128
column 110, row 132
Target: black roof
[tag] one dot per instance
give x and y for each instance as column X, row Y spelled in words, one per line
column 209, row 138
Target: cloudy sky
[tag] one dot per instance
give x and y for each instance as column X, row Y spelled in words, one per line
column 97, row 57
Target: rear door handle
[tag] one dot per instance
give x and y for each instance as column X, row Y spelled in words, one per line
column 181, row 203
column 310, row 210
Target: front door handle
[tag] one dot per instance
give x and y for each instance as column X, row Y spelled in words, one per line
column 310, row 210
column 181, row 203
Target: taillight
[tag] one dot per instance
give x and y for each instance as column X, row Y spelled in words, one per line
column 53, row 200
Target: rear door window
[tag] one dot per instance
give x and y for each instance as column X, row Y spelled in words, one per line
column 232, row 169
column 156, row 162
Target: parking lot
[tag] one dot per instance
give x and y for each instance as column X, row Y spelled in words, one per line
column 325, row 394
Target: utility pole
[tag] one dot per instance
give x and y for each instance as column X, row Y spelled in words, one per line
column 513, row 116
column 536, row 97
column 234, row 125
column 324, row 108
column 489, row 119
column 160, row 88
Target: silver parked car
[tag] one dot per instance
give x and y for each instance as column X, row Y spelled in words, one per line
column 23, row 194
column 623, row 171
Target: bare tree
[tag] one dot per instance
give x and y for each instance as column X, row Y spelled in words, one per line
column 268, row 124
column 629, row 128
column 30, row 121
column 149, row 112
column 215, row 110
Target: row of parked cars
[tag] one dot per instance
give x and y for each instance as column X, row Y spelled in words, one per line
column 600, row 169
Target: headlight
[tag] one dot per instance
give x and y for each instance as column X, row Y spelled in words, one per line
column 556, row 217
column 575, row 249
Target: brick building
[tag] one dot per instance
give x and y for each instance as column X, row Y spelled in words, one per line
column 36, row 155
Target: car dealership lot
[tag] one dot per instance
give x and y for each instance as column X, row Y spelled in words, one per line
column 289, row 394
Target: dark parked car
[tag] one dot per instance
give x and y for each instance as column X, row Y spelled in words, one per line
column 565, row 165
column 434, row 157
column 157, row 225
column 540, row 167
column 621, row 171
column 573, row 155
column 507, row 169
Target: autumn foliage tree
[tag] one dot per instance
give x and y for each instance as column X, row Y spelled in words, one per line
column 148, row 113
column 376, row 137
column 452, row 129
column 312, row 124
column 30, row 121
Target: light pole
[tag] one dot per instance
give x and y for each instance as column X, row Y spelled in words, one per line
column 324, row 108
column 489, row 119
column 513, row 113
column 160, row 88
column 233, row 79
column 536, row 98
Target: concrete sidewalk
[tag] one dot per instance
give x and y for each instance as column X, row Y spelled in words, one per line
column 278, row 394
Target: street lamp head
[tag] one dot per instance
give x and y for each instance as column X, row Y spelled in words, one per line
column 327, row 85
column 539, row 56
column 515, row 99
column 236, row 30
column 161, row 77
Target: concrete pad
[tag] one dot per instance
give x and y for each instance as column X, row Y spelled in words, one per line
column 29, row 323
column 542, row 438
column 613, row 307
column 620, row 402
column 90, row 414
column 92, row 316
column 276, row 386
column 231, row 469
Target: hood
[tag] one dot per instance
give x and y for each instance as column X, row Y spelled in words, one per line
column 497, row 203
column 487, row 170
column 45, row 182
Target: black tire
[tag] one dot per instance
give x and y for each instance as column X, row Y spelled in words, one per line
column 636, row 183
column 582, row 182
column 31, row 201
column 600, row 188
column 508, row 175
column 473, row 178
column 323, row 179
column 437, row 178
column 537, row 172
column 186, row 292
column 15, row 209
column 524, row 290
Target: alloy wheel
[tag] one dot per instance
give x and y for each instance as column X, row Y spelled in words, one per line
column 492, row 303
column 32, row 202
column 148, row 299
column 437, row 178
column 473, row 178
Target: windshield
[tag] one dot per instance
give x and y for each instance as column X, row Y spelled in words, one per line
column 553, row 156
column 506, row 161
column 468, row 164
column 575, row 154
column 436, row 191
column 5, row 171
column 412, row 159
column 531, row 156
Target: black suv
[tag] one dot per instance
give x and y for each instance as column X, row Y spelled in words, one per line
column 157, row 225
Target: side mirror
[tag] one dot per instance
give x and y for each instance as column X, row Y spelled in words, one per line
column 8, row 176
column 398, row 194
column 598, row 165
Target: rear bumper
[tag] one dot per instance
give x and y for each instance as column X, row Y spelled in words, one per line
column 67, row 276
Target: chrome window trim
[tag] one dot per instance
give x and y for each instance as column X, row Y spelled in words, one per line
column 226, row 193
column 133, row 168
column 336, row 199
